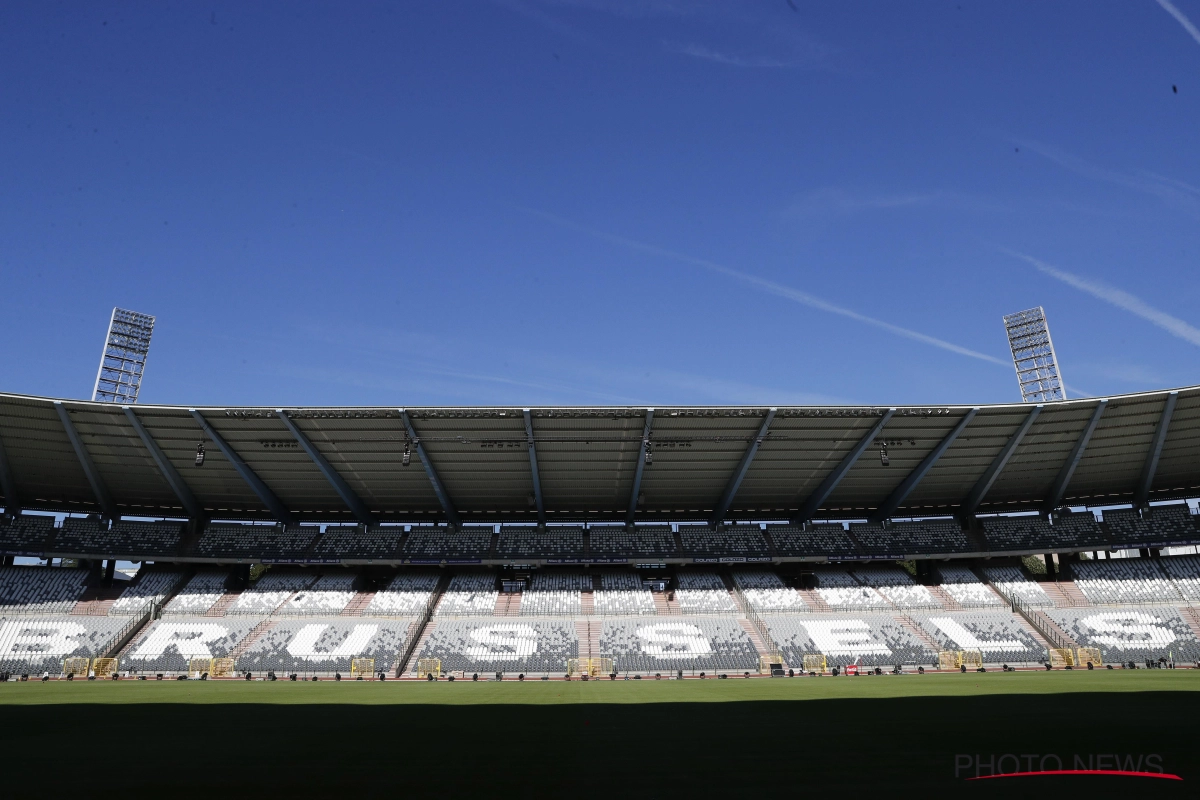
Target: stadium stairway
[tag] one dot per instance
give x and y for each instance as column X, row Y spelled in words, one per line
column 587, row 599
column 97, row 599
column 255, row 633
column 661, row 604
column 508, row 604
column 219, row 607
column 814, row 600
column 759, row 645
column 943, row 597
column 1065, row 594
column 1191, row 616
column 588, row 633
column 355, row 607
column 1043, row 620
column 909, row 624
column 411, row 666
column 1032, row 631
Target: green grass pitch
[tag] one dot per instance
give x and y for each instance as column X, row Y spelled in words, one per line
column 730, row 738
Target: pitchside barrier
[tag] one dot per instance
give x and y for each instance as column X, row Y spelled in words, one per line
column 765, row 662
column 592, row 667
column 365, row 667
column 949, row 659
column 815, row 662
column 1089, row 655
column 1061, row 657
column 971, row 659
column 104, row 667
column 198, row 667
column 221, row 668
column 76, row 666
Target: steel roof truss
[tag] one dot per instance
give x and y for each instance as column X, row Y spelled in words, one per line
column 1142, row 498
column 1059, row 488
column 736, row 479
column 12, row 501
column 273, row 503
column 818, row 497
column 901, row 492
column 349, row 497
column 172, row 476
column 103, row 499
column 984, row 485
column 438, row 488
column 641, row 465
column 533, row 468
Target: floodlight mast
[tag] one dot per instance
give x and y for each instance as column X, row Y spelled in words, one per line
column 1033, row 356
column 123, row 361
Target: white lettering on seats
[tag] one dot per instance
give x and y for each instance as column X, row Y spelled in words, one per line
column 969, row 641
column 674, row 640
column 1127, row 630
column 844, row 637
column 45, row 638
column 505, row 641
column 189, row 638
column 304, row 643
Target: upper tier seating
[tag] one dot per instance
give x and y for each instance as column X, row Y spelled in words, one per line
column 26, row 533
column 199, row 594
column 897, row 586
column 766, row 592
column 817, row 540
column 469, row 594
column 735, row 540
column 622, row 594
column 124, row 538
column 40, row 590
column 150, row 586
column 1079, row 528
column 865, row 639
column 701, row 644
column 169, row 643
column 702, row 592
column 840, row 591
column 1032, row 533
column 900, row 538
column 352, row 542
column 269, row 592
column 406, row 596
column 1123, row 581
column 1185, row 572
column 325, row 645
column 255, row 541
column 1173, row 523
column 1130, row 634
column 644, row 541
column 966, row 588
column 998, row 635
column 492, row 645
column 554, row 594
column 441, row 543
column 332, row 592
column 37, row 644
column 1013, row 584
column 525, row 542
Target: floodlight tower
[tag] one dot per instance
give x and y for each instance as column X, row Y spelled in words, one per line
column 1033, row 356
column 124, row 358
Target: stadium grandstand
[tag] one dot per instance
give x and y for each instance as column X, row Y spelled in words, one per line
column 512, row 542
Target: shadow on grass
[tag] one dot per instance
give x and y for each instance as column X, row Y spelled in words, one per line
column 677, row 749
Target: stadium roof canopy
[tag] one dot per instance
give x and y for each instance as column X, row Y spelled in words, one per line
column 591, row 464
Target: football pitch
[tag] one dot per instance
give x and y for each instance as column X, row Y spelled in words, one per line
column 904, row 734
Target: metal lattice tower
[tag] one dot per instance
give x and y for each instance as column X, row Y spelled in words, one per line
column 124, row 359
column 1033, row 356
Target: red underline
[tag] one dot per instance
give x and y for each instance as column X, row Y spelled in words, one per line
column 1127, row 773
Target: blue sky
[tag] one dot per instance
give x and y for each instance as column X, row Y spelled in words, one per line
column 587, row 202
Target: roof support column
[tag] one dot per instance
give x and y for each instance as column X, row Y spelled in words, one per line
column 533, row 468
column 273, row 503
column 438, row 488
column 338, row 483
column 736, row 480
column 182, row 491
column 641, row 465
column 12, row 501
column 901, row 492
column 1142, row 498
column 1059, row 487
column 103, row 499
column 984, row 485
column 818, row 497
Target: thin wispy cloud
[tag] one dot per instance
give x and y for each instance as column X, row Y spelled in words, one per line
column 1182, row 196
column 770, row 287
column 706, row 54
column 1117, row 297
column 1170, row 8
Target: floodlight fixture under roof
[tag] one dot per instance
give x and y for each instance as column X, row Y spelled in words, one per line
column 1033, row 356
column 123, row 361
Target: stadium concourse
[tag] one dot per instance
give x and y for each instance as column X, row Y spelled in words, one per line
column 642, row 542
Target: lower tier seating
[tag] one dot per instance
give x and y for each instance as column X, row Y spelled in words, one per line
column 150, row 586
column 1131, row 634
column 554, row 594
column 840, row 591
column 967, row 590
column 487, row 646
column 37, row 644
column 1184, row 571
column 168, row 644
column 701, row 592
column 897, row 586
column 270, row 591
column 708, row 644
column 865, row 639
column 406, row 595
column 199, row 594
column 766, row 592
column 1123, row 580
column 332, row 592
column 470, row 594
column 1012, row 583
column 998, row 635
column 325, row 645
column 622, row 594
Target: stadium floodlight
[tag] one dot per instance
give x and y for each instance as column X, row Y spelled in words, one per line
column 124, row 358
column 1033, row 356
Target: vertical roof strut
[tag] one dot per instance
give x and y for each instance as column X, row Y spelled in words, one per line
column 182, row 491
column 338, row 483
column 743, row 467
column 984, row 484
column 103, row 499
column 818, row 497
column 641, row 465
column 1142, row 498
column 533, row 468
column 12, row 500
column 438, row 488
column 901, row 492
column 1059, row 487
column 273, row 503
